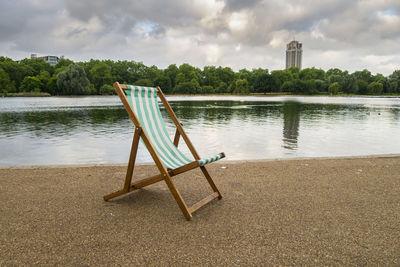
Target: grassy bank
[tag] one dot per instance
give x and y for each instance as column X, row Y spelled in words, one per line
column 43, row 94
column 26, row 94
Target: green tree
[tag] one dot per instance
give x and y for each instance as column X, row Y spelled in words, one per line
column 244, row 74
column 336, row 75
column 119, row 71
column 362, row 87
column 51, row 86
column 37, row 64
column 350, row 85
column 312, row 74
column 279, row 77
column 210, row 76
column 241, row 87
column 16, row 72
column 30, row 84
column 193, row 80
column 364, row 75
column 295, row 86
column 164, row 82
column 87, row 66
column 222, row 88
column 73, row 81
column 226, row 75
column 100, row 74
column 262, row 81
column 152, row 73
column 334, row 71
column 309, row 87
column 334, row 88
column 321, row 85
column 6, row 86
column 383, row 80
column 44, row 77
column 287, row 86
column 394, row 82
column 5, row 59
column 294, row 71
column 137, row 71
column 375, row 88
column 63, row 63
column 187, row 73
column 171, row 73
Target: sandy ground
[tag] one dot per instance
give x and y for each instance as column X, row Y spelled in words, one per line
column 287, row 212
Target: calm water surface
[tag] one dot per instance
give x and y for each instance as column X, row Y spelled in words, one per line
column 62, row 130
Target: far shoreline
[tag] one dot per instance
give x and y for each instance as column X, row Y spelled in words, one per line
column 18, row 95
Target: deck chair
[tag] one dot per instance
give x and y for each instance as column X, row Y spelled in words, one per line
column 143, row 109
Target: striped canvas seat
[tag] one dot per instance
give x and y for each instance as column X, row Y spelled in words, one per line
column 143, row 101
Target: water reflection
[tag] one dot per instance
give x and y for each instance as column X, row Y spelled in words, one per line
column 291, row 122
column 98, row 130
column 50, row 124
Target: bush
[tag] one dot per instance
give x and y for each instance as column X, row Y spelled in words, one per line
column 185, row 88
column 207, row 89
column 92, row 90
column 107, row 89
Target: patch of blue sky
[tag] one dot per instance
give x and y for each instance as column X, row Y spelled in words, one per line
column 390, row 12
column 146, row 27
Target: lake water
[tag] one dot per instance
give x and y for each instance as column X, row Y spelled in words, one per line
column 86, row 130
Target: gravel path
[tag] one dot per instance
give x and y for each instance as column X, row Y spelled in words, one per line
column 287, row 212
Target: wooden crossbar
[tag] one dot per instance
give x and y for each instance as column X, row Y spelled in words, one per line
column 203, row 202
column 136, row 185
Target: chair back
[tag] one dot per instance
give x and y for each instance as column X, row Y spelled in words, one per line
column 144, row 103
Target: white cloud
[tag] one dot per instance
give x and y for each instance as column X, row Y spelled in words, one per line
column 212, row 53
column 238, row 21
column 279, row 38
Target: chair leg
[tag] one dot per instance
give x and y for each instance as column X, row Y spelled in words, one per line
column 178, row 197
column 210, row 181
column 131, row 166
column 132, row 158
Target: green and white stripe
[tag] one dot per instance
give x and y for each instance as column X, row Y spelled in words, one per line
column 210, row 159
column 143, row 101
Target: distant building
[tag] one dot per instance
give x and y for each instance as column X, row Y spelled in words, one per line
column 294, row 54
column 52, row 60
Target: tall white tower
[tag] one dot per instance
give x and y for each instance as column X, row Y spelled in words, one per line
column 294, row 54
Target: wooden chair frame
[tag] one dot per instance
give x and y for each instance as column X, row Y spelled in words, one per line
column 165, row 173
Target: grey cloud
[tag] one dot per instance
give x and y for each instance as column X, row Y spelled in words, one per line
column 145, row 30
column 14, row 18
column 234, row 5
column 167, row 13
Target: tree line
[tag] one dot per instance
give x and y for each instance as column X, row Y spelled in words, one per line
column 96, row 77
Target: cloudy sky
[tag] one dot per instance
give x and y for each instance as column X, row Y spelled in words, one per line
column 345, row 34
